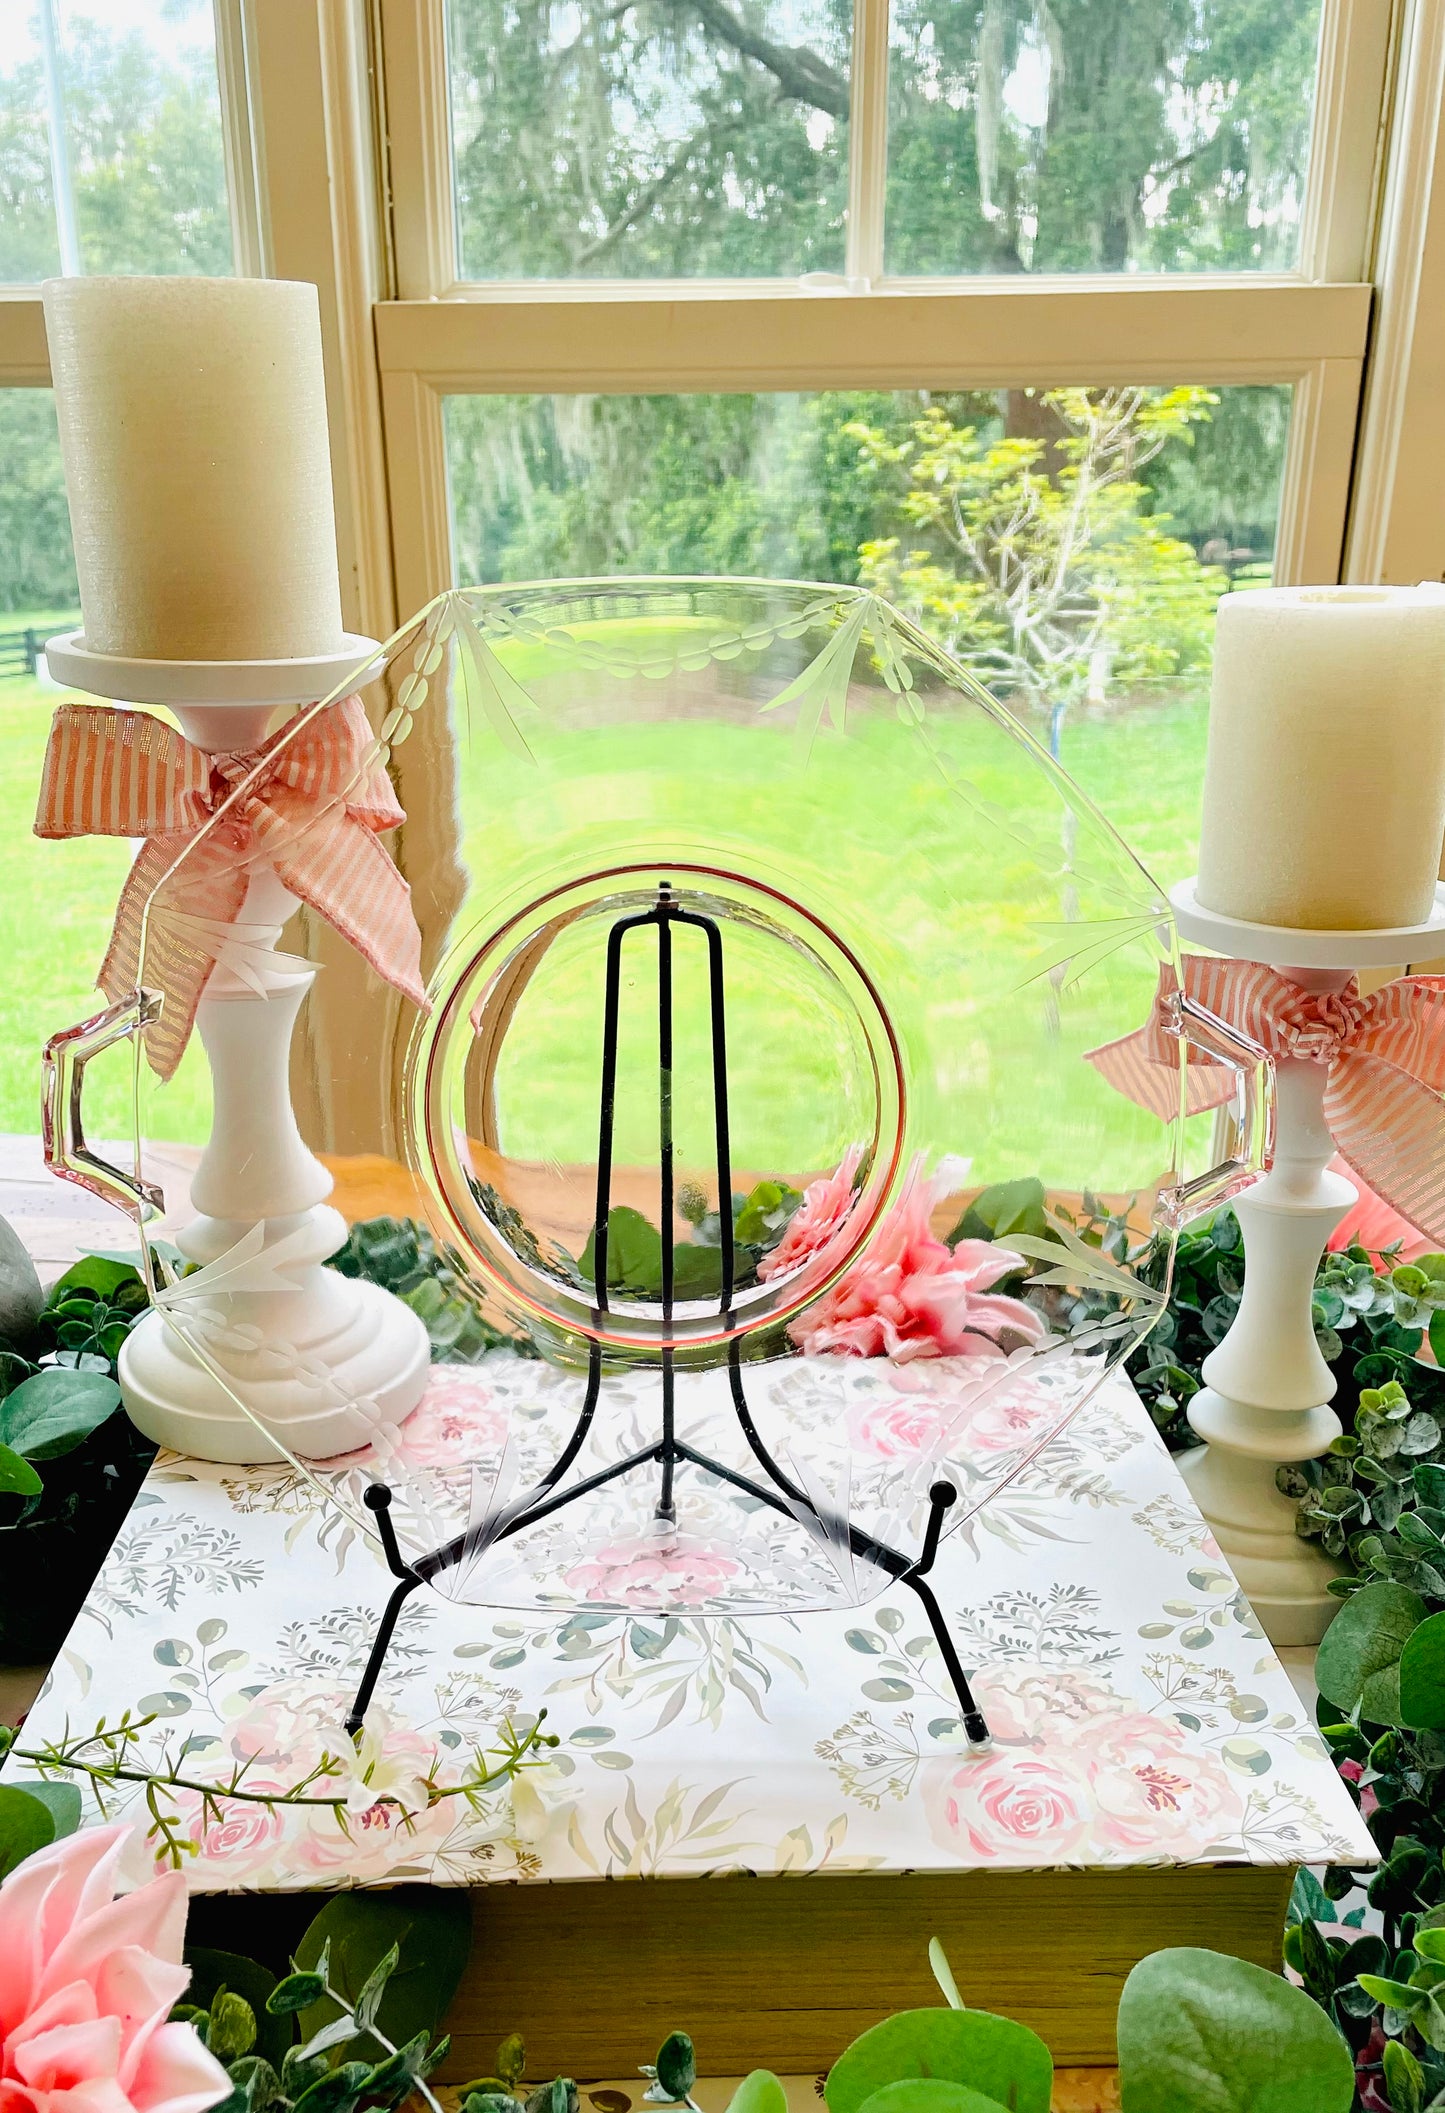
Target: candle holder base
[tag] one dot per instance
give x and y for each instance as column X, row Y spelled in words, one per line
column 335, row 1360
column 1286, row 1580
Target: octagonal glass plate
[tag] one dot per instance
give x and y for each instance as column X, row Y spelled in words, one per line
column 751, row 1168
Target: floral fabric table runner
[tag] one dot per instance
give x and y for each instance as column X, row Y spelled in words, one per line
column 1139, row 1715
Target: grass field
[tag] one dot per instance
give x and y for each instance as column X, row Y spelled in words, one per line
column 1142, row 765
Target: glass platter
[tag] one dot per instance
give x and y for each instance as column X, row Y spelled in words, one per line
column 750, row 1115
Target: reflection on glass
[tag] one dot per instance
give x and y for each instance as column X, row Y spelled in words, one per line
column 1068, row 545
column 56, row 900
column 657, row 140
column 1098, row 135
column 139, row 153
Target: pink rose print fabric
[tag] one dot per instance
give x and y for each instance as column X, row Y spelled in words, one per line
column 1077, row 1774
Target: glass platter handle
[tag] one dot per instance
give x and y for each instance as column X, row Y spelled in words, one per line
column 1244, row 1121
column 63, row 1084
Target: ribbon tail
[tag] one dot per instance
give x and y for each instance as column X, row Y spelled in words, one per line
column 1391, row 1130
column 1136, row 1066
column 339, row 868
column 173, row 960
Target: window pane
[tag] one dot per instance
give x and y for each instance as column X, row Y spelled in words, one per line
column 598, row 141
column 51, row 958
column 1091, row 617
column 1098, row 135
column 142, row 138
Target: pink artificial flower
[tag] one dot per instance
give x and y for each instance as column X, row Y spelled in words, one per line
column 659, row 1574
column 910, row 1295
column 86, row 1987
column 826, row 1207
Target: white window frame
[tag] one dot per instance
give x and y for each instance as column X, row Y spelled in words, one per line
column 1308, row 327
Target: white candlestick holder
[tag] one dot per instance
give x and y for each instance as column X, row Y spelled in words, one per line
column 1266, row 1402
column 334, row 1357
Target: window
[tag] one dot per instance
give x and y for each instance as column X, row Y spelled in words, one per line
column 111, row 149
column 1133, row 136
column 610, row 285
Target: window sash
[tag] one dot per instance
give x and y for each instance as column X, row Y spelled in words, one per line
column 1357, row 40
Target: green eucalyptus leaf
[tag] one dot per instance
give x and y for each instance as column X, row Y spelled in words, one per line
column 1395, row 1995
column 26, row 1824
column 338, row 2088
column 61, row 1800
column 295, row 1993
column 928, row 2094
column 100, row 1274
column 50, row 1413
column 431, row 1928
column 1358, row 1663
column 676, row 2065
column 1422, row 1676
column 17, row 1477
column 992, row 2055
column 368, row 2003
column 1203, row 2033
column 634, row 1253
column 213, row 1970
column 759, row 2092
column 1404, row 2079
column 232, row 2030
column 392, row 2078
column 512, row 2058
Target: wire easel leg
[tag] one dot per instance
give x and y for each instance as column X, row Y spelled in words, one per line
column 378, row 1500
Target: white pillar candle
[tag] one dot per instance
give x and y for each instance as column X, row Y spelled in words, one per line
column 193, row 429
column 1324, row 786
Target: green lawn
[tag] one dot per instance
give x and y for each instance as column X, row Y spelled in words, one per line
column 1016, row 1082
column 1007, row 1084
column 56, row 905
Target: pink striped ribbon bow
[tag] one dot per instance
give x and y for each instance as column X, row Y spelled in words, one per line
column 314, row 815
column 1386, row 1058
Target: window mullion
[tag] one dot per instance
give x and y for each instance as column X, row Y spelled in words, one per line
column 239, row 143
column 867, row 141
column 1359, row 39
column 418, row 119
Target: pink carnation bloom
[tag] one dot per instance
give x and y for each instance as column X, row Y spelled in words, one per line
column 910, row 1295
column 653, row 1573
column 86, row 1987
column 826, row 1207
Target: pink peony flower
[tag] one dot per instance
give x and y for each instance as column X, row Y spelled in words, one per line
column 455, row 1424
column 1011, row 1418
column 86, row 1986
column 910, row 1295
column 658, row 1574
column 826, row 1207
column 1153, row 1792
column 1032, row 1808
column 901, row 1426
column 1031, row 1704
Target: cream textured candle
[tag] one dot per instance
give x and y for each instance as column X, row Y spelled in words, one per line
column 1324, row 788
column 193, row 428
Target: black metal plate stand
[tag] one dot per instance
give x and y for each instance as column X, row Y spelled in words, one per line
column 668, row 1452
